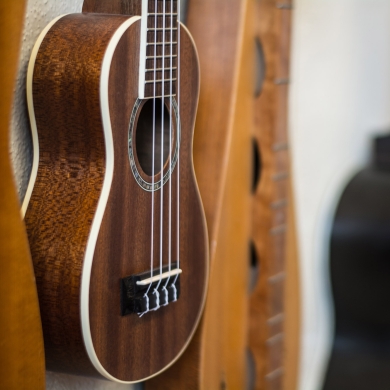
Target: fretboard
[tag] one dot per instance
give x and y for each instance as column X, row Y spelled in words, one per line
column 159, row 49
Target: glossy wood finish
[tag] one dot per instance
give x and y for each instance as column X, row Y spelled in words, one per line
column 22, row 364
column 63, row 203
column 268, row 322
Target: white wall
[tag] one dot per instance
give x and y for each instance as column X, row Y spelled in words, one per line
column 340, row 96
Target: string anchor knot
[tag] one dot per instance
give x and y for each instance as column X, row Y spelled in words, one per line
column 147, row 306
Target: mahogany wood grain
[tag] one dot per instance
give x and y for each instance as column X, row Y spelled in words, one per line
column 22, row 363
column 64, row 199
column 120, row 7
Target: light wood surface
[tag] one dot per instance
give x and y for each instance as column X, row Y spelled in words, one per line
column 274, row 314
column 292, row 299
column 22, row 363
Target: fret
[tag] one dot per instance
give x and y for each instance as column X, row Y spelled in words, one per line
column 159, row 81
column 159, row 96
column 161, row 29
column 161, row 69
column 161, row 43
column 164, row 56
column 161, row 14
column 151, row 36
column 159, row 48
column 158, row 63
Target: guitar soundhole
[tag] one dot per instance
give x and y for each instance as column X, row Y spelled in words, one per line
column 254, row 267
column 147, row 119
column 150, row 117
column 259, row 67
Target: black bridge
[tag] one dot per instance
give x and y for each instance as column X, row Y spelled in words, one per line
column 133, row 290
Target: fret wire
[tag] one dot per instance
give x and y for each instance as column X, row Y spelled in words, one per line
column 160, row 43
column 161, row 14
column 160, row 69
column 167, row 29
column 164, row 56
column 160, row 96
column 159, row 81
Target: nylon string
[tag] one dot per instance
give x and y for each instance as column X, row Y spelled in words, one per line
column 153, row 151
column 178, row 157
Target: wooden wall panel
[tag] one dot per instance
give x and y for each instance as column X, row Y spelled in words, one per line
column 22, row 363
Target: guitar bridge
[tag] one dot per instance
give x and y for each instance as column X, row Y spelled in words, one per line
column 141, row 293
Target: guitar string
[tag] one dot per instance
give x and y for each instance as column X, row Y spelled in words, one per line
column 170, row 154
column 178, row 152
column 162, row 157
column 153, row 151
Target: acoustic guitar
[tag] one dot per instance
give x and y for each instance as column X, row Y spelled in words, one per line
column 113, row 213
column 359, row 269
column 22, row 360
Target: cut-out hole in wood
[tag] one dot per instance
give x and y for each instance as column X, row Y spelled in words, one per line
column 256, row 165
column 259, row 67
column 254, row 268
column 250, row 370
column 144, row 137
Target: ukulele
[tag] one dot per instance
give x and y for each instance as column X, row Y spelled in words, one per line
column 113, row 213
column 22, row 361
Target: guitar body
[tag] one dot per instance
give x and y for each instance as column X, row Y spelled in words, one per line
column 88, row 210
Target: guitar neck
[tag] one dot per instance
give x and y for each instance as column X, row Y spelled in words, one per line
column 159, row 48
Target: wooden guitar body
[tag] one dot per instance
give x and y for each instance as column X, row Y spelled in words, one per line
column 88, row 207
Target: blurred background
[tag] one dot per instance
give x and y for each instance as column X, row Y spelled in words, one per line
column 339, row 99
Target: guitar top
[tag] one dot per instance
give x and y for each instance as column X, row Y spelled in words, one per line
column 113, row 214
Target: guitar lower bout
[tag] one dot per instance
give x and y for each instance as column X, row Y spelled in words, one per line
column 98, row 231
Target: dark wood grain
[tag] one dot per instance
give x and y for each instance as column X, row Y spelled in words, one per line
column 120, row 7
column 22, row 361
column 63, row 203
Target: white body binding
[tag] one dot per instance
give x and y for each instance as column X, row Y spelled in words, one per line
column 95, row 227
